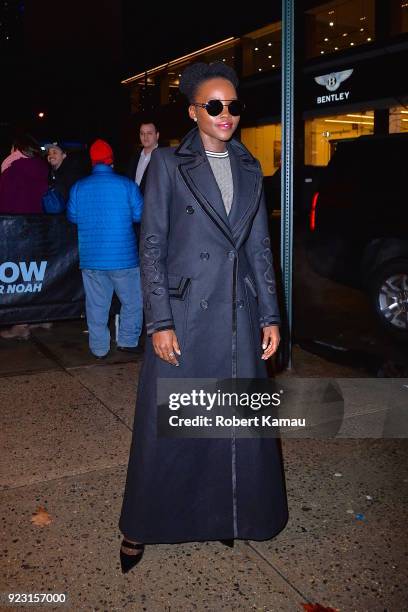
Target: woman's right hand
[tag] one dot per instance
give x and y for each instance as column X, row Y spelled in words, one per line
column 165, row 346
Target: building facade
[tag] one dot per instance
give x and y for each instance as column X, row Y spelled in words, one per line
column 350, row 64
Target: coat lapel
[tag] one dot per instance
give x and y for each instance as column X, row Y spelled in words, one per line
column 196, row 173
column 202, row 177
column 247, row 179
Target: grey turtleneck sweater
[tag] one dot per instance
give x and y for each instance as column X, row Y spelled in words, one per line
column 221, row 167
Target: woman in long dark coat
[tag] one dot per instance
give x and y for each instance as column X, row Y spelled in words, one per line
column 211, row 312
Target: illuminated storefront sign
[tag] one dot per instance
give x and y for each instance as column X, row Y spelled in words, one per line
column 332, row 82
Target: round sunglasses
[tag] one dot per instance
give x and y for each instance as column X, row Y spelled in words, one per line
column 215, row 107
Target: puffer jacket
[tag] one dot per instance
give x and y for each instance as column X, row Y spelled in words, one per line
column 104, row 206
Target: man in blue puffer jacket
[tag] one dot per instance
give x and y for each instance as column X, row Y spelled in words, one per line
column 104, row 206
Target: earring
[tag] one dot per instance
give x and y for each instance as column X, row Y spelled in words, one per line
column 195, row 118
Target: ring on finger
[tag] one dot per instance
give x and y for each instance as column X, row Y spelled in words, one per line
column 171, row 354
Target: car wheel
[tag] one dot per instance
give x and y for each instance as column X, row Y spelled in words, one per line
column 389, row 296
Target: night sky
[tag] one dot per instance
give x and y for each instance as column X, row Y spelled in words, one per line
column 178, row 28
column 67, row 58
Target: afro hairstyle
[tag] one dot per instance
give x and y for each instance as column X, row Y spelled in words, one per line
column 197, row 73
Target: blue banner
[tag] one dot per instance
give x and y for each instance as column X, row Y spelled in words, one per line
column 40, row 278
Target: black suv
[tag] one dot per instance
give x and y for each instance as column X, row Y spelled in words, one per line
column 359, row 224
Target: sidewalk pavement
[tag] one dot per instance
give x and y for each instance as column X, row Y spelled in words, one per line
column 66, row 424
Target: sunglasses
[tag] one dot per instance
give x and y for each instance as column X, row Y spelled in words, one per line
column 215, row 107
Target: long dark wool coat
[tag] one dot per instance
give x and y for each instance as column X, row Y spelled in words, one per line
column 211, row 277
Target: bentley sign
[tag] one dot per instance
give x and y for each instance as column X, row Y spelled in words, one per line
column 332, row 82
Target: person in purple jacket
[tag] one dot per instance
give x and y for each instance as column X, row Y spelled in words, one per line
column 23, row 182
column 24, row 179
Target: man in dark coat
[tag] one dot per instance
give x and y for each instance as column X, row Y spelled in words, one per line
column 139, row 163
column 66, row 168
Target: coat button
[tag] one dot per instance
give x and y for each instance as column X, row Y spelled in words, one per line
column 231, row 255
column 205, row 255
column 240, row 303
column 204, row 304
column 189, row 210
column 159, row 291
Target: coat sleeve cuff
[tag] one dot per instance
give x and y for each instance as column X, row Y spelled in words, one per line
column 151, row 328
column 271, row 320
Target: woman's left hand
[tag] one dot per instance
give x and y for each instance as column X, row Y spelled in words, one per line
column 270, row 341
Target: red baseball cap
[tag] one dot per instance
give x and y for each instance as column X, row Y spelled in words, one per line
column 101, row 153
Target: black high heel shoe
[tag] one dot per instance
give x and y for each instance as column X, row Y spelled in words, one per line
column 129, row 561
column 229, row 543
